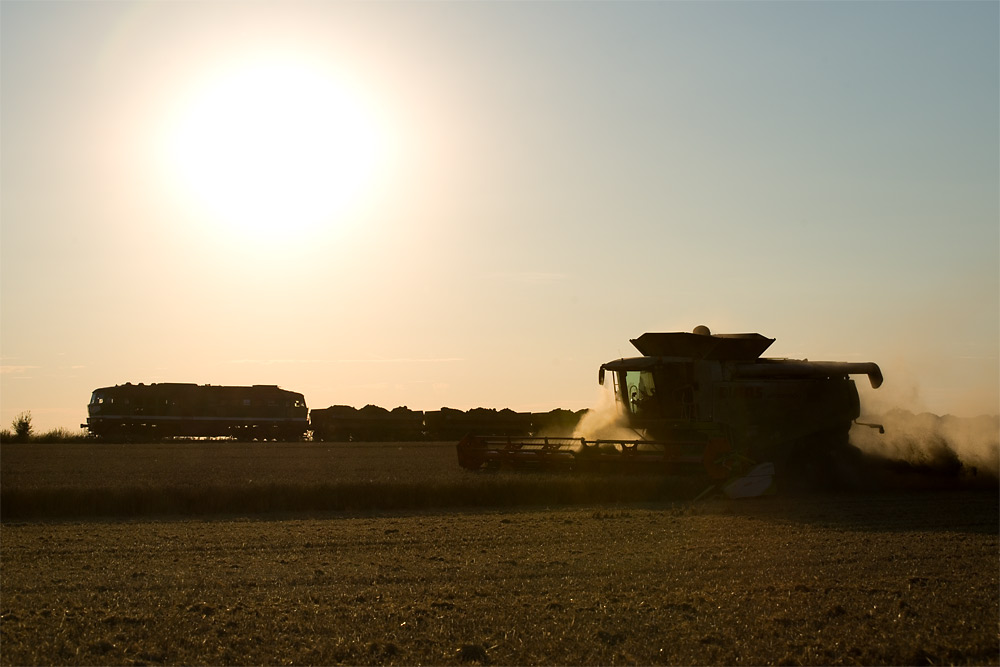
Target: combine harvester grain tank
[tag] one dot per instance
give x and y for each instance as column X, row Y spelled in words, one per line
column 707, row 404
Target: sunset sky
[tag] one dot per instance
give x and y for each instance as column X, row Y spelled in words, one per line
column 476, row 204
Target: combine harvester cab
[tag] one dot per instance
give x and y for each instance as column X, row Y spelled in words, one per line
column 707, row 404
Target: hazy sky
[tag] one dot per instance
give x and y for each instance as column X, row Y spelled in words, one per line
column 475, row 204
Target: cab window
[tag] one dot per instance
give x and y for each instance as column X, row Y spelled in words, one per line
column 640, row 393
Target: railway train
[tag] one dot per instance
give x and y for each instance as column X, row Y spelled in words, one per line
column 142, row 412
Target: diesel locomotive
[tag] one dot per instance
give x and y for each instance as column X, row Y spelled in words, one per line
column 167, row 409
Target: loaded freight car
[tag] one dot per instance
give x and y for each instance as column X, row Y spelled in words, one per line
column 343, row 423
column 152, row 411
column 451, row 424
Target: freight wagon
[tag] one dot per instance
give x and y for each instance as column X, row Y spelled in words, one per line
column 343, row 423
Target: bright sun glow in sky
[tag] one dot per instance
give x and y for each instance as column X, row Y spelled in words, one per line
column 273, row 145
column 476, row 204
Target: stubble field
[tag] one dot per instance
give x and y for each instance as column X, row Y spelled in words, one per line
column 880, row 576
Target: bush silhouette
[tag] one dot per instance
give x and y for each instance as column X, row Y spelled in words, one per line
column 22, row 426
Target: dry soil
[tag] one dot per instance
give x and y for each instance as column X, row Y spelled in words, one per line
column 874, row 578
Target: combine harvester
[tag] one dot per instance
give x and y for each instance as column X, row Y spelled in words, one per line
column 708, row 404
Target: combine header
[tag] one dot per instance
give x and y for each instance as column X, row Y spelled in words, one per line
column 704, row 404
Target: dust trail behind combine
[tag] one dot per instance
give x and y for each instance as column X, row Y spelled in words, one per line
column 933, row 445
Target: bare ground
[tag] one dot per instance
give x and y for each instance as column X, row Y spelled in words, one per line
column 876, row 578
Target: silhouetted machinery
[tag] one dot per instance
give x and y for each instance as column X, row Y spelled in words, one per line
column 704, row 403
column 150, row 411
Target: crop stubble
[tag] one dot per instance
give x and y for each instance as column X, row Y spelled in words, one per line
column 210, row 478
column 875, row 578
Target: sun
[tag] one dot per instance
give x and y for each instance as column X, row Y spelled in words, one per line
column 274, row 147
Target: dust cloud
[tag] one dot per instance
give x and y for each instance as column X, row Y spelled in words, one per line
column 931, row 429
column 932, row 443
column 604, row 421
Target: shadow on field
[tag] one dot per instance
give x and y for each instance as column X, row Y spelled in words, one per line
column 203, row 480
column 974, row 511
column 885, row 494
column 473, row 490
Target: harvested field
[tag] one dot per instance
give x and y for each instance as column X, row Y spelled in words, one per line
column 207, row 478
column 897, row 579
column 891, row 577
column 212, row 478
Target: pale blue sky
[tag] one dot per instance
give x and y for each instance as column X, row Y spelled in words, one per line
column 556, row 179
